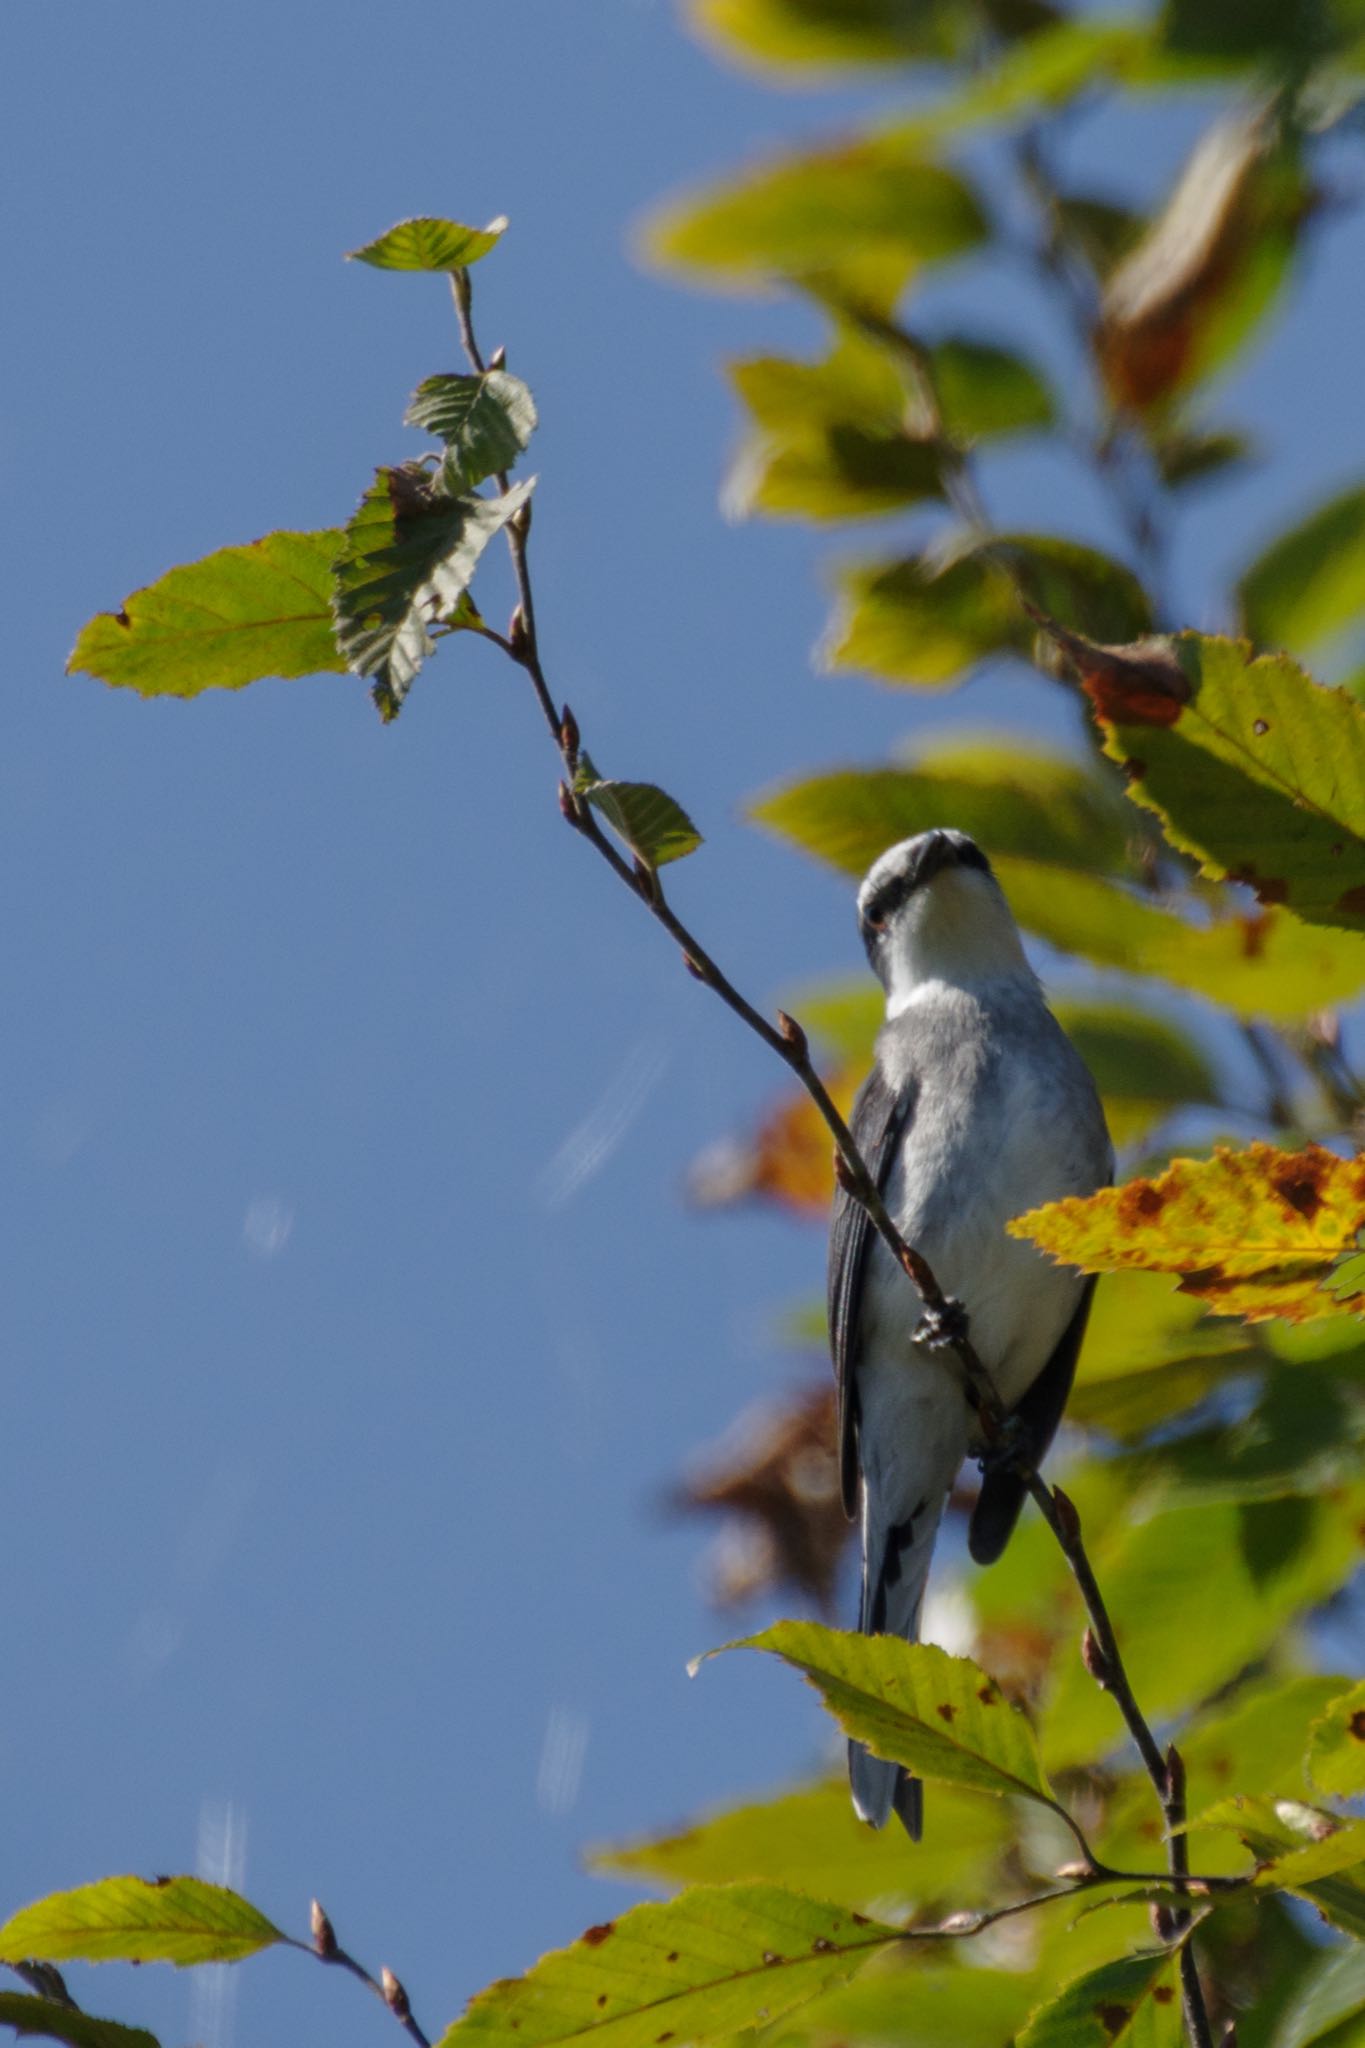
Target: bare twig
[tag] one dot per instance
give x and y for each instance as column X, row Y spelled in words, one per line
column 386, row 1986
column 787, row 1039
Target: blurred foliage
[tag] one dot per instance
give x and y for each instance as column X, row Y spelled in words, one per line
column 1192, row 862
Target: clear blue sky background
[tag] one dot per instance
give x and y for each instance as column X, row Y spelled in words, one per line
column 340, row 1397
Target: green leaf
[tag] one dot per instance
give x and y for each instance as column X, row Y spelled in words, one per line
column 654, row 826
column 941, row 1716
column 1031, row 78
column 868, row 212
column 1336, row 1749
column 984, row 390
column 137, row 1920
column 811, row 1840
column 1144, row 1066
column 832, row 32
column 1187, row 456
column 1251, row 766
column 239, row 614
column 485, row 422
column 1260, row 1565
column 1300, row 1848
column 929, row 619
column 1134, row 2003
column 1332, row 1993
column 406, row 561
column 55, row 2022
column 1310, row 583
column 1014, row 798
column 1233, row 33
column 1267, row 965
column 429, row 244
column 699, row 1968
column 1150, row 1353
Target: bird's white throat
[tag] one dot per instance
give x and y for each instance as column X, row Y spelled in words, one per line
column 957, row 931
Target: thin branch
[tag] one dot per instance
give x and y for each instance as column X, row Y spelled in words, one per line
column 385, row 1987
column 945, row 1318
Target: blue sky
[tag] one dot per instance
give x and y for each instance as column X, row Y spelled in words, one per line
column 354, row 1323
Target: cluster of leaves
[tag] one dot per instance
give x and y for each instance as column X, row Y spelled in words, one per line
column 1197, row 860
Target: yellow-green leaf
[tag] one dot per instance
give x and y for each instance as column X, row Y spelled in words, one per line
column 811, row 1840
column 1300, row 1848
column 711, row 1963
column 1144, row 1066
column 653, row 824
column 219, row 623
column 1150, row 1353
column 1336, row 1747
column 1332, row 1993
column 1250, row 765
column 1310, row 582
column 1133, row 2003
column 831, row 33
column 943, row 1717
column 426, row 243
column 52, row 2021
column 1251, row 1233
column 138, row 1920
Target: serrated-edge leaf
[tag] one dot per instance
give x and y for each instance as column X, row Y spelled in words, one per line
column 427, row 242
column 706, row 1965
column 1119, row 2005
column 139, row 1920
column 485, row 421
column 942, row 1717
column 653, row 824
column 406, row 562
column 45, row 2018
column 231, row 618
column 1336, row 1745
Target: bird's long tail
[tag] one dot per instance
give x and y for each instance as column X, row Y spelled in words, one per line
column 896, row 1558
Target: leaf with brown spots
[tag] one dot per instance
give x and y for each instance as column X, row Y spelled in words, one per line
column 943, row 1717
column 1336, row 1746
column 1251, row 766
column 1126, row 2004
column 1253, row 1233
column 708, row 1964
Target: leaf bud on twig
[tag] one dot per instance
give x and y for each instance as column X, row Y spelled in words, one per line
column 324, row 1934
column 1175, row 1776
column 1067, row 1518
column 498, row 359
column 1094, row 1659
column 568, row 733
column 1163, row 1922
column 395, row 1997
column 794, row 1035
column 517, row 636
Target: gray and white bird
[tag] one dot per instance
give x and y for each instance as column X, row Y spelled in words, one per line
column 977, row 1108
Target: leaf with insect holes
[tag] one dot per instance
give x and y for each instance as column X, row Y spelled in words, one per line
column 1253, row 1233
column 1132, row 2003
column 429, row 244
column 224, row 621
column 653, row 824
column 702, row 1967
column 942, row 1717
column 1252, row 767
column 1336, row 1746
column 55, row 2022
column 485, row 422
column 139, row 1920
column 405, row 565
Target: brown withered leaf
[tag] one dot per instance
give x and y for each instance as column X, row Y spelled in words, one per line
column 1253, row 1233
column 1207, row 266
column 775, row 1479
column 789, row 1159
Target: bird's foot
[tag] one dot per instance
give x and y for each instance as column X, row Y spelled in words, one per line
column 943, row 1329
column 1010, row 1447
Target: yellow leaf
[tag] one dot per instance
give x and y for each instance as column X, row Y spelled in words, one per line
column 1255, row 1233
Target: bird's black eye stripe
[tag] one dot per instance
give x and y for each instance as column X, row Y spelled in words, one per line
column 888, row 899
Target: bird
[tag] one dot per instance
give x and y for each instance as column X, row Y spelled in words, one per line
column 977, row 1108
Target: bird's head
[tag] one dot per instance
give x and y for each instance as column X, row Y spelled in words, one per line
column 931, row 910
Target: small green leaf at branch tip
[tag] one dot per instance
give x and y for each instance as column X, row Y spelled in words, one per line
column 653, row 824
column 428, row 243
column 226, row 620
column 52, row 2021
column 405, row 565
column 485, row 422
column 705, row 1966
column 942, row 1717
column 139, row 1920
